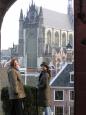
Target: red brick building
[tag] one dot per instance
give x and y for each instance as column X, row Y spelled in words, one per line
column 62, row 91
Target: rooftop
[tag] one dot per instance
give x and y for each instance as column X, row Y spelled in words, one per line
column 62, row 79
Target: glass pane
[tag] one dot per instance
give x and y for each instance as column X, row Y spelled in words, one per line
column 58, row 110
column 58, row 95
column 71, row 95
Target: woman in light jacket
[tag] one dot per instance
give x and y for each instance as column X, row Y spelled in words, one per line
column 16, row 89
column 44, row 93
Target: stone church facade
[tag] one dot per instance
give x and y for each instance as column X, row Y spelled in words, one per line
column 43, row 32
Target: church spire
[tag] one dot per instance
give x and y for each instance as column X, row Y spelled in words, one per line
column 21, row 15
column 32, row 2
column 41, row 12
column 69, row 6
column 71, row 13
column 13, row 44
column 41, row 16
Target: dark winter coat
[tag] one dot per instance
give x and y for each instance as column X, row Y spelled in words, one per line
column 16, row 89
column 44, row 95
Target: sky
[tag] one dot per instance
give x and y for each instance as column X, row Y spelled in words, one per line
column 10, row 25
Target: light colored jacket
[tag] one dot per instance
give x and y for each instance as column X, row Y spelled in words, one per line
column 16, row 89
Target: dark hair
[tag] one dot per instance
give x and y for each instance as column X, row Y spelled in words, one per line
column 46, row 65
column 12, row 62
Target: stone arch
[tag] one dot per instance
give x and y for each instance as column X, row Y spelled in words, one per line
column 4, row 6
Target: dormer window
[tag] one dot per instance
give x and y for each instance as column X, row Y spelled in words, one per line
column 71, row 77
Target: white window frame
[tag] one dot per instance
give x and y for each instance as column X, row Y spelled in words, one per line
column 54, row 95
column 71, row 73
column 59, row 106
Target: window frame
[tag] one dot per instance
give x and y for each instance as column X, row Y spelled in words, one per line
column 59, row 106
column 70, row 95
column 69, row 110
column 71, row 73
column 62, row 97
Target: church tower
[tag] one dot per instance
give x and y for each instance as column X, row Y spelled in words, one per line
column 41, row 17
column 31, row 36
column 21, row 39
column 34, row 35
column 71, row 12
column 40, row 34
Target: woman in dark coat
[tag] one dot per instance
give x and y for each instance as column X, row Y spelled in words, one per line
column 44, row 99
column 16, row 89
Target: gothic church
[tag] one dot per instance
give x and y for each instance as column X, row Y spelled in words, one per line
column 43, row 32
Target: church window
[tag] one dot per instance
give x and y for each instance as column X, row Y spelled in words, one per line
column 71, row 39
column 63, row 40
column 49, row 37
column 57, row 38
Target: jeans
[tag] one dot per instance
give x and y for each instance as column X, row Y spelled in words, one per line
column 47, row 111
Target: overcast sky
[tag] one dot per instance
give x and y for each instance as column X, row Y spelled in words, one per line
column 10, row 25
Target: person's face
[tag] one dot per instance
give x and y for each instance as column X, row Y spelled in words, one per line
column 43, row 68
column 16, row 64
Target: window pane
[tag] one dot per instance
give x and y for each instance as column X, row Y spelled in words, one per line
column 71, row 110
column 58, row 110
column 71, row 95
column 57, row 39
column 72, row 77
column 58, row 95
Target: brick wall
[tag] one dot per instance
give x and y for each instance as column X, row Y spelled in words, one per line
column 65, row 103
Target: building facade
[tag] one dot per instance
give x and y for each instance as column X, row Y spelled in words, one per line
column 62, row 91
